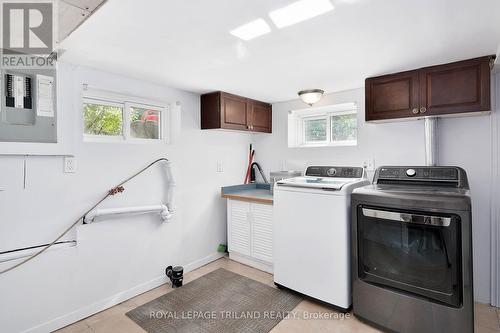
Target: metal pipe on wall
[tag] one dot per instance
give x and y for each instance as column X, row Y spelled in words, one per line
column 431, row 141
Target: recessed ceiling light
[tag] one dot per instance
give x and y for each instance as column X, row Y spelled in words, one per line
column 251, row 30
column 299, row 11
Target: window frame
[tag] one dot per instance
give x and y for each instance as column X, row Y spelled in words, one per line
column 125, row 102
column 162, row 124
column 296, row 128
column 303, row 130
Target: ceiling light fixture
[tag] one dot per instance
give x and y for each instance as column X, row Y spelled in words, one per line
column 311, row 96
column 251, row 30
column 299, row 11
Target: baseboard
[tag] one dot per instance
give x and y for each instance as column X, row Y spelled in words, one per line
column 255, row 263
column 203, row 261
column 87, row 311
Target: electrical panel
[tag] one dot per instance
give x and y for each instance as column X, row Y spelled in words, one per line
column 28, row 105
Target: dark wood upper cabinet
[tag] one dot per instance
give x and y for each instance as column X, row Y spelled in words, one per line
column 234, row 112
column 448, row 89
column 220, row 110
column 261, row 116
column 392, row 96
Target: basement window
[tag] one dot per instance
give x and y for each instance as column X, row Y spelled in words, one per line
column 109, row 117
column 333, row 125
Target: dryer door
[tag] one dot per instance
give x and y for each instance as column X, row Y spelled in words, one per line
column 410, row 251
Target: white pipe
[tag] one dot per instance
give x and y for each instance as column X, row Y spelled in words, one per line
column 163, row 210
column 170, row 185
column 28, row 252
column 431, row 141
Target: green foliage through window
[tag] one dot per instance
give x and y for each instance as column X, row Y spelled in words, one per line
column 330, row 129
column 315, row 130
column 344, row 127
column 102, row 119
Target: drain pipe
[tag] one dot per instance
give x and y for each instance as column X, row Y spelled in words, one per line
column 431, row 141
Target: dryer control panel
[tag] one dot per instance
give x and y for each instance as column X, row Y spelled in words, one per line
column 334, row 171
column 422, row 176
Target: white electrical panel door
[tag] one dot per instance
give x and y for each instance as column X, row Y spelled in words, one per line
column 262, row 231
column 238, row 215
column 44, row 96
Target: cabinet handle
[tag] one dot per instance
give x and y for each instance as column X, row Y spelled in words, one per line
column 414, row 111
column 423, row 109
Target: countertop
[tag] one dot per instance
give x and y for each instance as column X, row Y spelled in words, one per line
column 255, row 192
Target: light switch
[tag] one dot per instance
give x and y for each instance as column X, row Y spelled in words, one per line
column 220, row 168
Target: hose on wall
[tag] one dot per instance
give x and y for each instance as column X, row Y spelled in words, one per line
column 115, row 190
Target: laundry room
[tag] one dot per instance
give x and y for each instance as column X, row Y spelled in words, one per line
column 264, row 166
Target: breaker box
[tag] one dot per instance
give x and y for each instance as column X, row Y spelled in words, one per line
column 28, row 111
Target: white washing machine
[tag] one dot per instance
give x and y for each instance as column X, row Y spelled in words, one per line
column 312, row 233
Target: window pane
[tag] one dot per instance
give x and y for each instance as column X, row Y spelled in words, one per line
column 102, row 119
column 145, row 123
column 315, row 130
column 344, row 127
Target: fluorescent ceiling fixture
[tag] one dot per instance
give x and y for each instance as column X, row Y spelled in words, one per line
column 251, row 30
column 299, row 11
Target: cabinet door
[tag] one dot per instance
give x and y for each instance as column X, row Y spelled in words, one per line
column 261, row 117
column 262, row 232
column 392, row 96
column 458, row 87
column 238, row 226
column 234, row 112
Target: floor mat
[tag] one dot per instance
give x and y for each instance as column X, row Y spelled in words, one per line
column 220, row 301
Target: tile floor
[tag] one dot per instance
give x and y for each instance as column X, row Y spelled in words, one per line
column 114, row 319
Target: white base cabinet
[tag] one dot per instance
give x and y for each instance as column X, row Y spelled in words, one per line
column 250, row 233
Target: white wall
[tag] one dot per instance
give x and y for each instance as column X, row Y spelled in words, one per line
column 465, row 142
column 113, row 259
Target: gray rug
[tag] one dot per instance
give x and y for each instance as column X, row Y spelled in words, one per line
column 220, row 301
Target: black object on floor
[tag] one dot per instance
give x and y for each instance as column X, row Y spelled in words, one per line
column 176, row 275
column 220, row 301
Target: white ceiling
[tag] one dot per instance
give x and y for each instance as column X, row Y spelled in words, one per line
column 186, row 44
column 72, row 13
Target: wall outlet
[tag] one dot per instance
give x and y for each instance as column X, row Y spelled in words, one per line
column 369, row 164
column 69, row 164
column 220, row 168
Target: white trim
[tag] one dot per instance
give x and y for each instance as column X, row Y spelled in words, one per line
column 108, row 302
column 495, row 194
column 329, row 144
column 96, row 93
column 333, row 108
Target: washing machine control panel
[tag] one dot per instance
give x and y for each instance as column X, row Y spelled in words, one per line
column 333, row 171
